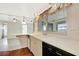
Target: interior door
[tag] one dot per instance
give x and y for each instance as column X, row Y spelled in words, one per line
column 4, row 34
column 3, row 31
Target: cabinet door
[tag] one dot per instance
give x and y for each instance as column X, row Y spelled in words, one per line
column 61, row 14
column 23, row 40
column 36, row 46
column 52, row 17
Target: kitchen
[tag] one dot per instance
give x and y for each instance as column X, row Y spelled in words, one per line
column 53, row 29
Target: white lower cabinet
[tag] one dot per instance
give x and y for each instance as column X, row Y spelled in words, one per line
column 36, row 46
column 23, row 40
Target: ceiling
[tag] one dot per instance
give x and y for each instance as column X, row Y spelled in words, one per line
column 23, row 9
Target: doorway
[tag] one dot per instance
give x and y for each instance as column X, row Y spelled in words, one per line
column 3, row 36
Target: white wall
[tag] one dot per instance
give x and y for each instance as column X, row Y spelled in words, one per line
column 14, row 28
column 24, row 28
column 29, row 28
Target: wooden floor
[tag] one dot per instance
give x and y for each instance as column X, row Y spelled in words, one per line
column 18, row 52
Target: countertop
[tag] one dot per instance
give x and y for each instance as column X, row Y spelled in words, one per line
column 60, row 41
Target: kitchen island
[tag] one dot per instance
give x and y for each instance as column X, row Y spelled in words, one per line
column 60, row 41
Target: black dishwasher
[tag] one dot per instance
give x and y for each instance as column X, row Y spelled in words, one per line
column 49, row 50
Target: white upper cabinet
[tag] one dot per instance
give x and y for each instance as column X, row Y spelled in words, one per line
column 61, row 14
column 57, row 15
column 51, row 17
